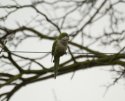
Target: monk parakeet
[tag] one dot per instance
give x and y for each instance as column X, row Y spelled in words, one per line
column 58, row 49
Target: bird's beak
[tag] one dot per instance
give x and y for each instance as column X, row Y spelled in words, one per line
column 66, row 38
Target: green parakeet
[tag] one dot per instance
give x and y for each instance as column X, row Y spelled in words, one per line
column 58, row 49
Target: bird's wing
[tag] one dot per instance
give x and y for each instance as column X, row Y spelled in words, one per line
column 53, row 47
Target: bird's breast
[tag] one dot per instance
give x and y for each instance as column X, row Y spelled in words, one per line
column 60, row 48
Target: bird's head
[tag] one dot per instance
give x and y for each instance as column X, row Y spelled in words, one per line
column 64, row 36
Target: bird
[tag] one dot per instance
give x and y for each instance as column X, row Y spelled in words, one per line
column 59, row 48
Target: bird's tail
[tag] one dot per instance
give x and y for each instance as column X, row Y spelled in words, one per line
column 56, row 66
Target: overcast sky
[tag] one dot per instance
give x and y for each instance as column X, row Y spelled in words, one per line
column 86, row 85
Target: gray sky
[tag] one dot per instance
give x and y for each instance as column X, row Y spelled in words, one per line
column 86, row 85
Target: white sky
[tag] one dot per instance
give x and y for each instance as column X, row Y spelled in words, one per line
column 87, row 85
